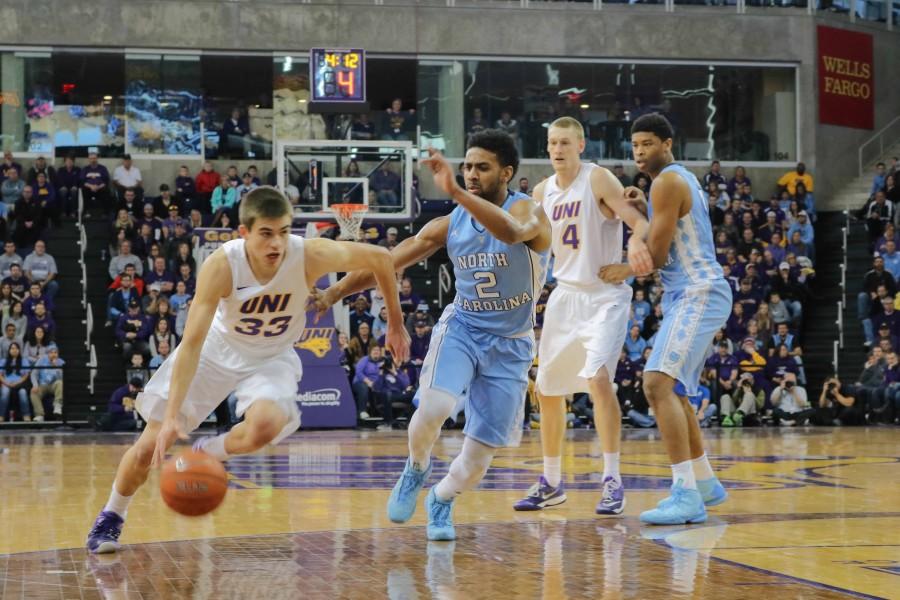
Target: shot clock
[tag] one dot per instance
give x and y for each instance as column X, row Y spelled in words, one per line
column 338, row 78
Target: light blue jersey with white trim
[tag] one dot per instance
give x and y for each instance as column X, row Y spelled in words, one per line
column 692, row 255
column 497, row 284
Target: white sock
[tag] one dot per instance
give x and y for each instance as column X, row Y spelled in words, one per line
column 215, row 446
column 466, row 470
column 611, row 466
column 425, row 426
column 553, row 470
column 117, row 503
column 702, row 468
column 685, row 472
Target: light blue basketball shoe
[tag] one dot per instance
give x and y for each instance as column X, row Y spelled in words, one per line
column 683, row 506
column 402, row 503
column 440, row 518
column 712, row 490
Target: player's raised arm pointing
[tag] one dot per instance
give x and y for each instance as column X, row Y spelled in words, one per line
column 524, row 222
column 327, row 256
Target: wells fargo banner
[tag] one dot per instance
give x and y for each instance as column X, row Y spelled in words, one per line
column 846, row 78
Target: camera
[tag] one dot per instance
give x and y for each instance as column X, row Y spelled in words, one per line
column 388, row 363
column 788, row 384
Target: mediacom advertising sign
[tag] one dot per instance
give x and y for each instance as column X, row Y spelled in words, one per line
column 324, row 395
column 846, row 78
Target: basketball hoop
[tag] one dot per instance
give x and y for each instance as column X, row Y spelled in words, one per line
column 349, row 217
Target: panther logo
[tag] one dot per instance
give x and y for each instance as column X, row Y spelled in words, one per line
column 316, row 340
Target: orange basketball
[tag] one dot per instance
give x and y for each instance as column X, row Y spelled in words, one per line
column 193, row 483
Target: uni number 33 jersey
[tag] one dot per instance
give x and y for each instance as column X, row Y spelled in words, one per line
column 263, row 320
column 496, row 283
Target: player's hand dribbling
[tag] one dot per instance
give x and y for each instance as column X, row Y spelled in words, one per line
column 615, row 273
column 168, row 434
column 441, row 171
column 396, row 341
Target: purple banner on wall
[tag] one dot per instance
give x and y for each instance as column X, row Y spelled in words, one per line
column 323, row 396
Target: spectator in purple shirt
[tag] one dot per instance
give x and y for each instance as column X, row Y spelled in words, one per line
column 185, row 276
column 41, row 318
column 35, row 295
column 723, row 371
column 68, row 180
column 160, row 275
column 409, row 300
column 367, row 380
column 121, row 415
column 394, row 387
column 133, row 330
column 95, row 184
column 747, row 297
column 780, row 363
column 736, row 326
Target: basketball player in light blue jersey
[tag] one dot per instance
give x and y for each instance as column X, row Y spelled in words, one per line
column 482, row 347
column 696, row 303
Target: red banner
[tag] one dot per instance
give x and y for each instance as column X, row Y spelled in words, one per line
column 846, row 78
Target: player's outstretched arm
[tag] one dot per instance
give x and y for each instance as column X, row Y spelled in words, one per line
column 509, row 227
column 670, row 201
column 327, row 256
column 213, row 284
column 413, row 249
column 608, row 189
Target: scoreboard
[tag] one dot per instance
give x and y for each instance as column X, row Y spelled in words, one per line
column 338, row 76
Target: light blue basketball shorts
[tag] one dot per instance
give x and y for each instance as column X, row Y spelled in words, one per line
column 691, row 318
column 486, row 372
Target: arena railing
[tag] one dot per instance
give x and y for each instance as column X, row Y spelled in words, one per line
column 445, row 284
column 92, row 365
column 839, row 342
column 881, row 141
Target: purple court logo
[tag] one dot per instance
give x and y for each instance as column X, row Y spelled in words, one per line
column 321, row 397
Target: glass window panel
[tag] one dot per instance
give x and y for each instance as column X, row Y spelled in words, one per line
column 89, row 110
column 237, row 106
column 26, row 80
column 162, row 103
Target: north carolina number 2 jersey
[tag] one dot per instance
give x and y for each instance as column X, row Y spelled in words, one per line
column 263, row 320
column 584, row 239
column 497, row 284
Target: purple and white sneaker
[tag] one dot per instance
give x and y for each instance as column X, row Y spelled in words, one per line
column 104, row 535
column 612, row 502
column 541, row 495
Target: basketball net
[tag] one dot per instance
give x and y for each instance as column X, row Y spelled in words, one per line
column 349, row 217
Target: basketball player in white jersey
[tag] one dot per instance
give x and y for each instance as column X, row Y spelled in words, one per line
column 586, row 319
column 249, row 309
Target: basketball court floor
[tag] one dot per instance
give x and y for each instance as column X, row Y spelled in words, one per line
column 812, row 514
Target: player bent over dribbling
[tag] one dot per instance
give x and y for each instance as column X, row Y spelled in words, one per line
column 249, row 309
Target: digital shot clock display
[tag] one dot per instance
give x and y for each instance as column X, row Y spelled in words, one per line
column 338, row 75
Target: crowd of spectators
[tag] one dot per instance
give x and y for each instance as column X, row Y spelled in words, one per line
column 876, row 392
column 34, row 201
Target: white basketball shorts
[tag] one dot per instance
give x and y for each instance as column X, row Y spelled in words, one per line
column 583, row 331
column 223, row 369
